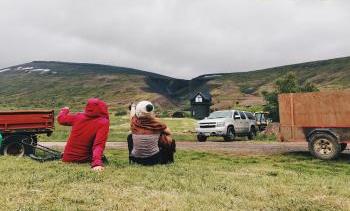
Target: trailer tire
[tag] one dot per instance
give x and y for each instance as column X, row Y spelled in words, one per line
column 324, row 146
column 13, row 145
column 14, row 149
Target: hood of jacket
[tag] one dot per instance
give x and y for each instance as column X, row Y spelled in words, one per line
column 96, row 108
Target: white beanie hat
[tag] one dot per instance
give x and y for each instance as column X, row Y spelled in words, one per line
column 144, row 108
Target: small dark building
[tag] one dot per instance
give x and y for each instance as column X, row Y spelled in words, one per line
column 200, row 105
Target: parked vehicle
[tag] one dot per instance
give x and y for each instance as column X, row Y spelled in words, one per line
column 19, row 131
column 261, row 120
column 320, row 118
column 228, row 124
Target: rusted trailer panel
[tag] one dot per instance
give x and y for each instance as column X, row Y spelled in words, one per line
column 302, row 112
column 41, row 121
column 315, row 109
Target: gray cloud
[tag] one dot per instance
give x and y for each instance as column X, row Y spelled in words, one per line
column 177, row 38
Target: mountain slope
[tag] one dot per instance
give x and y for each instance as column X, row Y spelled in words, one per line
column 48, row 84
column 246, row 87
column 43, row 84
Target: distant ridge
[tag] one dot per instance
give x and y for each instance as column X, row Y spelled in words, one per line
column 297, row 65
column 94, row 67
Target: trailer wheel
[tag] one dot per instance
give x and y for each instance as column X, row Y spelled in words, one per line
column 14, row 149
column 13, row 145
column 324, row 146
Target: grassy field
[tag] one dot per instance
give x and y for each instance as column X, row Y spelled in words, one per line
column 197, row 181
column 182, row 129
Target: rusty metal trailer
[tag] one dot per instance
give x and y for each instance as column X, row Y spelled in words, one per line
column 320, row 118
column 19, row 130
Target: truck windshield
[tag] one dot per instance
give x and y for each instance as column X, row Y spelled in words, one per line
column 220, row 114
column 258, row 116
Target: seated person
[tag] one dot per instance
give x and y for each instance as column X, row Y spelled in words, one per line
column 150, row 142
column 89, row 133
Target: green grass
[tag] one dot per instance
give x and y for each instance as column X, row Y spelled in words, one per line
column 265, row 137
column 197, row 181
column 27, row 91
column 182, row 129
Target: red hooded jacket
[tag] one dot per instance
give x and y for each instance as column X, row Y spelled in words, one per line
column 89, row 133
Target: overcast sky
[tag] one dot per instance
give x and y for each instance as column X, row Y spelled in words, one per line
column 183, row 38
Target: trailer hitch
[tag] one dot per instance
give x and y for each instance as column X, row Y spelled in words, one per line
column 47, row 154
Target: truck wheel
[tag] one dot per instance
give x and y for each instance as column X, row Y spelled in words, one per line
column 343, row 146
column 230, row 135
column 252, row 133
column 201, row 138
column 324, row 146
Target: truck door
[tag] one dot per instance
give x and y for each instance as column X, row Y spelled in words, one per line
column 244, row 122
column 237, row 122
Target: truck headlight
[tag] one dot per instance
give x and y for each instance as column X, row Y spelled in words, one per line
column 220, row 124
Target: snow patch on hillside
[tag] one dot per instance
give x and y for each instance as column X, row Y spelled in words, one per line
column 29, row 70
column 212, row 76
column 40, row 70
column 4, row 70
column 32, row 70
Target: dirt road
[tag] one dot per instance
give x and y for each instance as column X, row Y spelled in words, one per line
column 234, row 148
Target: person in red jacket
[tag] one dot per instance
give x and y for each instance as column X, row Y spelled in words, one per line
column 89, row 133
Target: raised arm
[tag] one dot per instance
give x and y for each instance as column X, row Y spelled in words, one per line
column 65, row 118
column 99, row 144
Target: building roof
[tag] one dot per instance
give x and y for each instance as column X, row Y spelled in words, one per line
column 205, row 94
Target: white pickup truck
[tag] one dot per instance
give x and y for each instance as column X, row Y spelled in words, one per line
column 228, row 124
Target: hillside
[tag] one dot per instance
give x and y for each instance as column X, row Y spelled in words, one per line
column 46, row 84
column 42, row 84
column 245, row 88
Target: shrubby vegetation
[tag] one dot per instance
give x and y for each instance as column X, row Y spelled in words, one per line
column 286, row 84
